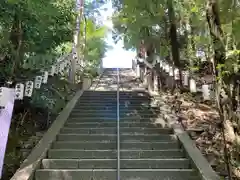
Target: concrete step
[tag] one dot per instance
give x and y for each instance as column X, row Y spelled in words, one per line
column 113, row 100
column 113, row 118
column 181, row 163
column 127, row 110
column 113, row 110
column 108, row 119
column 121, row 93
column 111, row 174
column 112, row 97
column 93, row 145
column 110, row 103
column 96, row 103
column 113, row 137
column 109, row 124
column 131, row 130
column 99, row 97
column 124, row 115
column 93, row 115
column 95, row 109
column 113, row 106
column 114, row 93
column 110, row 154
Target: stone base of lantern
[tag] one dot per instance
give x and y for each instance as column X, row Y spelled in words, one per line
column 138, row 71
column 142, row 74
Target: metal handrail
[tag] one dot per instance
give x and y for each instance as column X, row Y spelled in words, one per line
column 118, row 128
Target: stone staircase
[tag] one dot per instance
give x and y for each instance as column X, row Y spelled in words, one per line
column 86, row 146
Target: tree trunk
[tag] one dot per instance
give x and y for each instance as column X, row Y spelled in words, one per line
column 224, row 109
column 173, row 38
column 16, row 40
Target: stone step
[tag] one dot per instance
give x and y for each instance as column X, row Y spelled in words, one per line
column 137, row 92
column 113, row 115
column 113, row 137
column 111, row 174
column 139, row 105
column 114, row 100
column 179, row 163
column 93, row 145
column 112, row 106
column 103, row 100
column 113, row 93
column 111, row 154
column 109, row 119
column 113, row 110
column 131, row 130
column 110, row 124
column 110, row 103
column 109, row 109
column 112, row 96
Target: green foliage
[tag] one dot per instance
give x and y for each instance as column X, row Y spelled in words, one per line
column 32, row 29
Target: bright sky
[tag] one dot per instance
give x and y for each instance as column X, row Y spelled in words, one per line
column 116, row 57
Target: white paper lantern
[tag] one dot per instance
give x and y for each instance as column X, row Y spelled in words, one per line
column 164, row 66
column 161, row 64
column 176, row 74
column 38, row 82
column 52, row 71
column 28, row 89
column 62, row 66
column 171, row 71
column 167, row 68
column 157, row 59
column 56, row 68
column 2, row 101
column 19, row 91
column 206, row 92
column 193, row 86
column 59, row 67
column 1, row 91
column 185, row 78
column 75, row 56
column 45, row 77
column 5, row 95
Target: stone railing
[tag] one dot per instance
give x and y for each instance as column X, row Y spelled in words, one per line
column 166, row 76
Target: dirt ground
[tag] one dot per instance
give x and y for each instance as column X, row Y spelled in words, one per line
column 202, row 122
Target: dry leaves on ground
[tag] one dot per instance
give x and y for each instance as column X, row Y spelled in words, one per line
column 203, row 124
